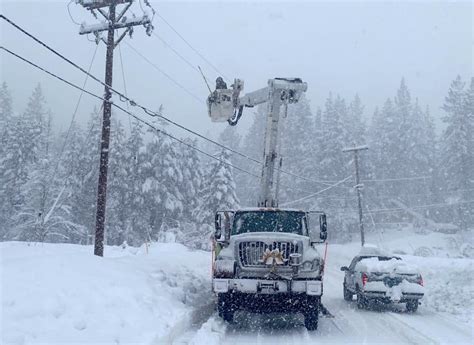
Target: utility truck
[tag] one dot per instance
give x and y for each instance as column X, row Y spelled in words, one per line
column 265, row 258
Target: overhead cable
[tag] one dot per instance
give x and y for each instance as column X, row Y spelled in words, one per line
column 192, row 48
column 129, row 113
column 317, row 193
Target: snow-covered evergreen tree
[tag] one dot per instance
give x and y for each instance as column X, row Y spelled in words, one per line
column 457, row 156
column 8, row 159
column 118, row 207
column 84, row 174
column 218, row 193
column 137, row 229
column 297, row 149
column 163, row 178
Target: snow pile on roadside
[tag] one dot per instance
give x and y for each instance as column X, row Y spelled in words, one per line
column 212, row 332
column 60, row 293
column 449, row 285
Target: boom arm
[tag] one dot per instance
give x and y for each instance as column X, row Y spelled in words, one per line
column 225, row 105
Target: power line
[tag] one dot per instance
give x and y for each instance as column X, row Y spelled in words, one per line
column 127, row 112
column 400, row 209
column 319, row 192
column 124, row 84
column 125, row 98
column 399, row 179
column 165, row 74
column 186, row 61
column 70, row 15
column 193, row 49
column 63, row 146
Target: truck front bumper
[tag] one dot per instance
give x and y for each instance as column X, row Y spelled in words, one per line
column 262, row 286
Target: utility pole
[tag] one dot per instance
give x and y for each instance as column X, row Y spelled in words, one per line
column 358, row 187
column 112, row 23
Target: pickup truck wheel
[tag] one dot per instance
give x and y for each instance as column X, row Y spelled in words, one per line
column 347, row 294
column 412, row 306
column 361, row 300
column 311, row 314
column 224, row 307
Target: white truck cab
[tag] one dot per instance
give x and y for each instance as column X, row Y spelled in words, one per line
column 266, row 261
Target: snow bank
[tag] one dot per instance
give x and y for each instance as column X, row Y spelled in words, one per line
column 449, row 285
column 59, row 293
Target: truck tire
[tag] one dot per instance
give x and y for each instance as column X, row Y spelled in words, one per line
column 311, row 314
column 347, row 294
column 412, row 306
column 361, row 300
column 225, row 308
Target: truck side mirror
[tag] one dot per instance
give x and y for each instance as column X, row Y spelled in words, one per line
column 223, row 224
column 323, row 227
column 218, row 228
column 344, row 268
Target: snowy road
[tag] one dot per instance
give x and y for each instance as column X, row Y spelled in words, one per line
column 162, row 296
column 391, row 325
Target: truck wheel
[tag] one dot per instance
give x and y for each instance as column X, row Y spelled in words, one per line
column 412, row 306
column 224, row 307
column 347, row 294
column 361, row 301
column 311, row 314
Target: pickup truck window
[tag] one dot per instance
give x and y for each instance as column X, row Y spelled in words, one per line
column 269, row 221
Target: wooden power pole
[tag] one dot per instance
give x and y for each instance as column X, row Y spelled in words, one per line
column 113, row 22
column 358, row 187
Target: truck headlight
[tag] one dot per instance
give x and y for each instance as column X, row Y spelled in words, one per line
column 224, row 268
column 307, row 266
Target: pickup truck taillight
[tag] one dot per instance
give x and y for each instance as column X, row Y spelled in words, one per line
column 420, row 280
column 364, row 278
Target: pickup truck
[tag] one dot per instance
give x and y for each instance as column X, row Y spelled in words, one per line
column 376, row 276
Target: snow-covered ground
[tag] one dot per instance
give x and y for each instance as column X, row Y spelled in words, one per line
column 58, row 294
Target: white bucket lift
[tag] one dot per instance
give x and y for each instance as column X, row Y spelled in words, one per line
column 220, row 105
column 225, row 105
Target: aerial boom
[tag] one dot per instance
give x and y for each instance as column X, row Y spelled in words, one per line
column 226, row 105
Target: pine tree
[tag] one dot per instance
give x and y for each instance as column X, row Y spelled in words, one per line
column 6, row 113
column 297, row 148
column 118, row 207
column 163, row 178
column 8, row 158
column 384, row 147
column 333, row 140
column 356, row 126
column 457, row 157
column 137, row 230
column 44, row 215
column 84, row 172
column 218, row 193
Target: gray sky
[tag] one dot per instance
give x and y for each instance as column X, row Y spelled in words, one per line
column 343, row 47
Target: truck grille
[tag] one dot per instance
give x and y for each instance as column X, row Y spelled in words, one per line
column 251, row 253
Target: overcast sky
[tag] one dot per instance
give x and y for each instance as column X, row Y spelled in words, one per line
column 344, row 47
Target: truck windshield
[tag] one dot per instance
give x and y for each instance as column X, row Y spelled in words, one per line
column 269, row 221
